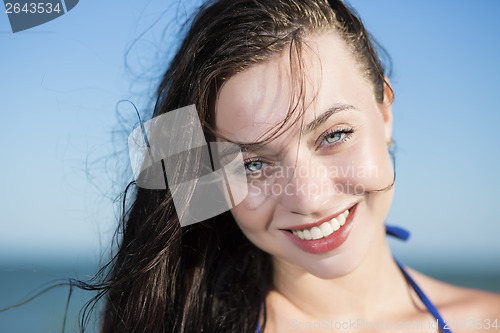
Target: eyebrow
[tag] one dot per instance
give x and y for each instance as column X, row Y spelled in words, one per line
column 242, row 147
column 324, row 117
column 317, row 122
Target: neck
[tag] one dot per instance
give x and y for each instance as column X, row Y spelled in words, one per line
column 373, row 288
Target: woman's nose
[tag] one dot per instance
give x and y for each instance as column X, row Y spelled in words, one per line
column 308, row 187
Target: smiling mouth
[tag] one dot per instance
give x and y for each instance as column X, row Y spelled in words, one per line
column 324, row 230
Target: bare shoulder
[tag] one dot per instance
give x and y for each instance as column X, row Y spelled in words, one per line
column 470, row 309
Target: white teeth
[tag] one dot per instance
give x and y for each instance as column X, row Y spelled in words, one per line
column 300, row 234
column 316, row 233
column 324, row 230
column 341, row 219
column 307, row 234
column 335, row 224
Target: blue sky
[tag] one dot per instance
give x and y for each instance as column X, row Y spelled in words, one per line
column 60, row 82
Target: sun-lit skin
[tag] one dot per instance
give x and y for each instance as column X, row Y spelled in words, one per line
column 355, row 279
column 254, row 101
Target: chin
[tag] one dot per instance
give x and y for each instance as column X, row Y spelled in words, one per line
column 334, row 267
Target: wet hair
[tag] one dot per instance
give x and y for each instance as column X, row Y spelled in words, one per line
column 208, row 277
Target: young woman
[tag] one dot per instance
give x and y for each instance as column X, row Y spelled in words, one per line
column 299, row 86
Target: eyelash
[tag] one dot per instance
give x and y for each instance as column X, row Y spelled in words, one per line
column 346, row 131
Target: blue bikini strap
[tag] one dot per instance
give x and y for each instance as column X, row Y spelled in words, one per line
column 403, row 234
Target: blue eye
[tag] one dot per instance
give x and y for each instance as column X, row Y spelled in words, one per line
column 333, row 137
column 254, row 166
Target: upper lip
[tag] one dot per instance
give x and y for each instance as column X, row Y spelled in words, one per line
column 319, row 222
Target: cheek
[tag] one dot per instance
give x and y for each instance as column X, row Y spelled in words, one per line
column 258, row 194
column 372, row 167
column 252, row 214
column 362, row 168
column 370, row 161
column 265, row 190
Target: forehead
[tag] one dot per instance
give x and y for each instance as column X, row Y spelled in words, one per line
column 253, row 102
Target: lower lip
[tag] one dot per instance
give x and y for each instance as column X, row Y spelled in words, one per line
column 324, row 245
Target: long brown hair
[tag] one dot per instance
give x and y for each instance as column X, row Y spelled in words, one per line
column 208, row 277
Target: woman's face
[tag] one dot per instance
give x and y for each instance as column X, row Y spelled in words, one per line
column 313, row 199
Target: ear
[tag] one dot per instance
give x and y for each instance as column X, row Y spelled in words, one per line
column 386, row 108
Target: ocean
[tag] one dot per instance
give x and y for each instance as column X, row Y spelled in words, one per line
column 46, row 312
